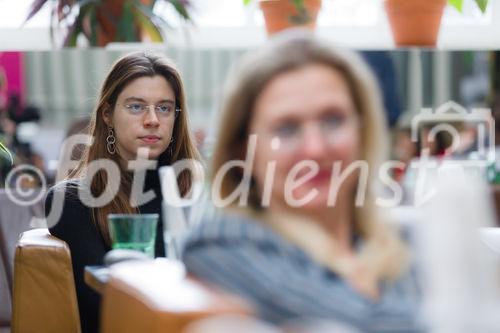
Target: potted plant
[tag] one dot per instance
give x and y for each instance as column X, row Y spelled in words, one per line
column 283, row 14
column 105, row 21
column 417, row 22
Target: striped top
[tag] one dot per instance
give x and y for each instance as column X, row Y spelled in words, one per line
column 246, row 257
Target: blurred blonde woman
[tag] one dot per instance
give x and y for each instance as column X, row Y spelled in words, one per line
column 304, row 113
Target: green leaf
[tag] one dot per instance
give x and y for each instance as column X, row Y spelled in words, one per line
column 126, row 30
column 181, row 9
column 457, row 4
column 149, row 13
column 147, row 25
column 6, row 151
column 34, row 8
column 298, row 3
column 86, row 7
column 247, row 2
column 72, row 36
column 93, row 27
column 482, row 4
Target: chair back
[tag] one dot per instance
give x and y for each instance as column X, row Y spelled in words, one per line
column 44, row 296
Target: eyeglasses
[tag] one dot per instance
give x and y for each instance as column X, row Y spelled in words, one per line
column 163, row 109
column 332, row 128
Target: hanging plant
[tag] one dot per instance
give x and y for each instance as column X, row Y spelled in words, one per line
column 105, row 21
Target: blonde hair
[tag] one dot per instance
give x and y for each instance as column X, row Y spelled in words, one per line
column 123, row 72
column 384, row 251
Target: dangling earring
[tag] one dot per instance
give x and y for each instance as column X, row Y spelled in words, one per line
column 110, row 141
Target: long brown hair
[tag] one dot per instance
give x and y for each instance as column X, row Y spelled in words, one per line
column 124, row 71
column 289, row 51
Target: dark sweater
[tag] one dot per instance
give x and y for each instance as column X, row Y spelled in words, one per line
column 86, row 244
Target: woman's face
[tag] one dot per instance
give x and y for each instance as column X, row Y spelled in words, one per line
column 304, row 114
column 143, row 116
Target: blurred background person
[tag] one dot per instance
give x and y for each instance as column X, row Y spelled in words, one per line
column 19, row 127
column 309, row 258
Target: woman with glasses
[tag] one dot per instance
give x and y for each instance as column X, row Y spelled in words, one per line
column 140, row 124
column 302, row 237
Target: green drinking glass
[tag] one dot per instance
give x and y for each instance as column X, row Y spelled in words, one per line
column 133, row 232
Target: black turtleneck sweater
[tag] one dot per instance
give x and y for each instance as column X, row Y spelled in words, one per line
column 86, row 244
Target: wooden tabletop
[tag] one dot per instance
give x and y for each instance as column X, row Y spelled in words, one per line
column 96, row 277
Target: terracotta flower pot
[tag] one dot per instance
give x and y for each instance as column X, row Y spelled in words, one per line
column 415, row 22
column 283, row 14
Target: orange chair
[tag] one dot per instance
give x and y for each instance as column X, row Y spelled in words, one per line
column 44, row 296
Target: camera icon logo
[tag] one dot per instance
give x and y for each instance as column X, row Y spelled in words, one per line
column 470, row 134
